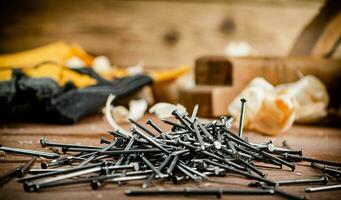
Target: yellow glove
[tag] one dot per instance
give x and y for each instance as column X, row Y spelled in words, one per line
column 58, row 52
column 60, row 74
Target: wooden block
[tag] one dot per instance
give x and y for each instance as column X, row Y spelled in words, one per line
column 213, row 100
column 213, row 70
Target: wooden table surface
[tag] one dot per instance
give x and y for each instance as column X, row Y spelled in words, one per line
column 318, row 142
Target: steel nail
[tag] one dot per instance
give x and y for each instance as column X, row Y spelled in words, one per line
column 29, row 152
column 323, row 188
column 151, row 123
column 241, row 121
column 24, row 169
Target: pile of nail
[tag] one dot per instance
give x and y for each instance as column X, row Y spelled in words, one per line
column 189, row 150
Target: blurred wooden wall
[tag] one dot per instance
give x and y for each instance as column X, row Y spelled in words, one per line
column 160, row 33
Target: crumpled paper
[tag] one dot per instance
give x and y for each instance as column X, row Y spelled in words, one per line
column 272, row 110
column 164, row 110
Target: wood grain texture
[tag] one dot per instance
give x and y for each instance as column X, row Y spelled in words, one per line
column 330, row 39
column 319, row 142
column 310, row 36
column 161, row 33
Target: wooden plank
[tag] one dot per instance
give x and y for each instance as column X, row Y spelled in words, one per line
column 306, row 41
column 160, row 33
column 330, row 39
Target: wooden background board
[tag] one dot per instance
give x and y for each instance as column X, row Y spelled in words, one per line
column 160, row 33
column 318, row 142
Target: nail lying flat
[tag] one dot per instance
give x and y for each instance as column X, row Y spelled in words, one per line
column 187, row 191
column 320, row 180
column 24, row 168
column 323, row 188
column 29, row 152
column 8, row 176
